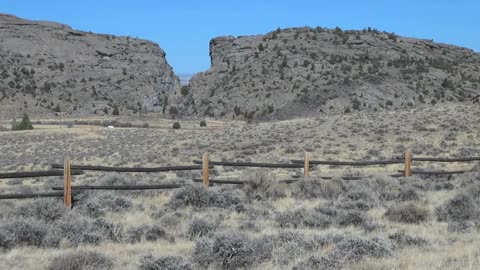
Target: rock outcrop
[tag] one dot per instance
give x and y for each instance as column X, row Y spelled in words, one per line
column 48, row 67
column 305, row 71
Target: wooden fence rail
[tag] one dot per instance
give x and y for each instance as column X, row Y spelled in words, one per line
column 435, row 172
column 37, row 174
column 131, row 169
column 350, row 163
column 462, row 159
column 288, row 181
column 384, row 162
column 252, row 164
column 33, row 195
column 222, row 182
column 124, row 187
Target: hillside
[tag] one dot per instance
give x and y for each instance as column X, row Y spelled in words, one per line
column 48, row 67
column 305, row 71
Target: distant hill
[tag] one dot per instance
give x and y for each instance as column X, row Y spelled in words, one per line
column 47, row 67
column 306, row 71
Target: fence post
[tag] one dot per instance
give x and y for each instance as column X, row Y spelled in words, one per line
column 67, row 183
column 408, row 162
column 306, row 164
column 206, row 181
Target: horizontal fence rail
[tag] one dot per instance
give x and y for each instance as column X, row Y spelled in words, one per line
column 435, row 172
column 139, row 187
column 32, row 195
column 37, row 174
column 288, row 181
column 131, row 169
column 350, row 163
column 251, row 164
column 463, row 159
column 222, row 182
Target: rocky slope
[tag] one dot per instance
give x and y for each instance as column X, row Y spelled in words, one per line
column 304, row 71
column 47, row 67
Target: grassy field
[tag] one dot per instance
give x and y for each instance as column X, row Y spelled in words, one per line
column 376, row 223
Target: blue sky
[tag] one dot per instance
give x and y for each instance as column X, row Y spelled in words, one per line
column 184, row 28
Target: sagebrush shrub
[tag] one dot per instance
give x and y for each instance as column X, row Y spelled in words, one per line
column 408, row 194
column 154, row 233
column 163, row 263
column 351, row 218
column 202, row 252
column 460, row 208
column 286, row 246
column 408, row 213
column 262, row 186
column 229, row 250
column 317, row 262
column 345, row 250
column 198, row 196
column 233, row 251
column 81, row 260
column 199, row 227
column 76, row 229
column 463, row 226
column 303, row 217
column 402, row 240
column 96, row 204
column 45, row 209
column 354, row 249
column 310, row 188
column 22, row 232
column 135, row 234
column 354, row 205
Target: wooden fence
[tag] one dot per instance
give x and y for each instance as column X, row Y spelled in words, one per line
column 67, row 170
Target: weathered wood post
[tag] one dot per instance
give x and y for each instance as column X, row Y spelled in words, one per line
column 67, row 183
column 408, row 162
column 206, row 181
column 306, row 164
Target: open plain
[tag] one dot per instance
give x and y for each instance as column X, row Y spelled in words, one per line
column 379, row 222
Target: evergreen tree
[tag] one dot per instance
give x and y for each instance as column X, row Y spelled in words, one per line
column 25, row 124
column 115, row 111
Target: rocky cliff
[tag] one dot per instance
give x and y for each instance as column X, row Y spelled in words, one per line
column 48, row 67
column 306, row 71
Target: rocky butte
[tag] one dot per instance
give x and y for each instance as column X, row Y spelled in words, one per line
column 305, row 71
column 48, row 67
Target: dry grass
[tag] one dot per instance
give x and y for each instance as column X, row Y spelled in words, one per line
column 436, row 131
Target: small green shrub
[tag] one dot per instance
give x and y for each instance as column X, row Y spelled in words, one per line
column 176, row 125
column 25, row 124
column 203, row 123
column 185, row 90
column 115, row 111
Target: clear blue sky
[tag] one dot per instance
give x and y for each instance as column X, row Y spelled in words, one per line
column 184, row 28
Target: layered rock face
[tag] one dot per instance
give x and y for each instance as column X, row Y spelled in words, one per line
column 306, row 71
column 48, row 67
